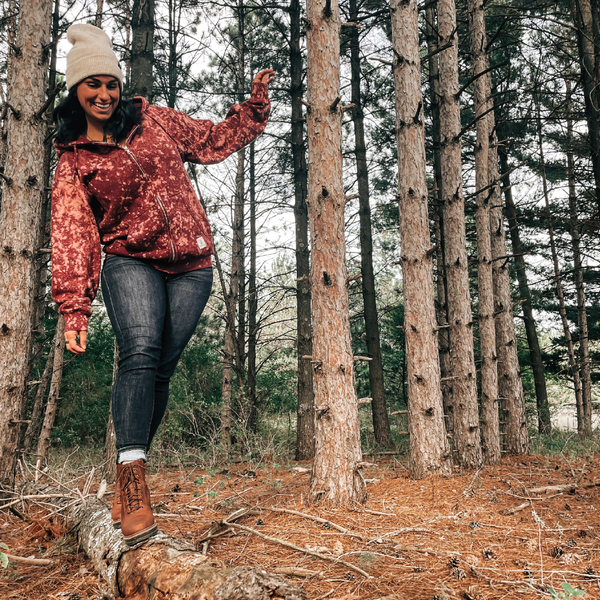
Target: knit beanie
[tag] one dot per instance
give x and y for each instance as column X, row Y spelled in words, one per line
column 91, row 54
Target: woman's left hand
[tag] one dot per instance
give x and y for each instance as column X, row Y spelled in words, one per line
column 265, row 76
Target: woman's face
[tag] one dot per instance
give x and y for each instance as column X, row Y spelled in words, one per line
column 99, row 97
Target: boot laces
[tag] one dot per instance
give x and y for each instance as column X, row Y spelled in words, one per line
column 131, row 492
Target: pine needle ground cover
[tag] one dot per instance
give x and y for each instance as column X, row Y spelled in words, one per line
column 528, row 528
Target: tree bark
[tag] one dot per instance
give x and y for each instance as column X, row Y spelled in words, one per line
column 510, row 386
column 252, row 303
column 490, row 421
column 57, row 369
column 99, row 13
column 21, row 219
column 305, row 430
column 467, row 439
column 142, row 48
column 581, row 12
column 535, row 354
column 429, row 450
column 164, row 567
column 558, row 279
column 336, row 477
column 35, row 421
column 381, row 425
column 233, row 348
column 109, row 471
column 584, row 351
column 442, row 299
column 11, row 33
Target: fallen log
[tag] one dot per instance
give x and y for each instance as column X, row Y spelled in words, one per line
column 165, row 567
column 566, row 488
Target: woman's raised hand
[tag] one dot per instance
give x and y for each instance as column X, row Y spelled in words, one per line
column 265, row 76
column 71, row 339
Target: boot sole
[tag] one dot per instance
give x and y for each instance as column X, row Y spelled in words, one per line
column 140, row 536
column 117, row 524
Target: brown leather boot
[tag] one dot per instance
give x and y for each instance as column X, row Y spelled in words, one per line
column 137, row 520
column 115, row 513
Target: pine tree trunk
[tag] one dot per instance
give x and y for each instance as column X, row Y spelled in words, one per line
column 490, row 422
column 429, row 450
column 467, row 439
column 336, row 477
column 99, row 13
column 442, row 299
column 239, row 223
column 584, row 351
column 57, row 369
column 305, row 441
column 109, row 471
column 21, row 219
column 535, row 354
column 11, row 33
column 562, row 309
column 252, row 302
column 44, row 241
column 35, row 421
column 510, row 386
column 226, row 387
column 173, row 37
column 581, row 12
column 142, row 48
column 381, row 425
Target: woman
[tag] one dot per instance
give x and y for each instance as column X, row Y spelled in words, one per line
column 121, row 183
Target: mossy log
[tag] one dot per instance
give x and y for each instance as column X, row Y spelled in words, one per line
column 165, row 567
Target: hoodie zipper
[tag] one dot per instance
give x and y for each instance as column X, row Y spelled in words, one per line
column 173, row 253
column 160, row 204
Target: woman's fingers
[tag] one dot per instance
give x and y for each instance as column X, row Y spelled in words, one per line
column 71, row 339
column 265, row 76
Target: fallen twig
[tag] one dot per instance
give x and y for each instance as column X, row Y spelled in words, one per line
column 296, row 571
column 314, row 518
column 297, row 548
column 568, row 487
column 42, row 562
column 32, row 497
column 377, row 512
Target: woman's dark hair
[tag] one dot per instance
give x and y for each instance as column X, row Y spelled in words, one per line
column 70, row 122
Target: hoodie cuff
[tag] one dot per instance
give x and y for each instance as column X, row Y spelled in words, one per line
column 76, row 321
column 260, row 91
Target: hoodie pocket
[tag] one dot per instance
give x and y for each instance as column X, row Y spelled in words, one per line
column 145, row 228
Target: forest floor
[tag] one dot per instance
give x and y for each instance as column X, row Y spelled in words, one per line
column 477, row 535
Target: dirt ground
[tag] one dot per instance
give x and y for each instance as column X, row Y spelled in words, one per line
column 436, row 539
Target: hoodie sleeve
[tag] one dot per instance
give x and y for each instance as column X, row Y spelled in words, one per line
column 75, row 246
column 205, row 142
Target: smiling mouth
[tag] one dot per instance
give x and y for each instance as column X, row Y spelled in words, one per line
column 102, row 106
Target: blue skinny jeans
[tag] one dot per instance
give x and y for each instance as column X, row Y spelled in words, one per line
column 153, row 315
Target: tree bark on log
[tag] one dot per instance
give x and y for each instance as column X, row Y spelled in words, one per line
column 165, row 567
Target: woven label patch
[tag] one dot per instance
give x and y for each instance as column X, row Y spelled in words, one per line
column 201, row 243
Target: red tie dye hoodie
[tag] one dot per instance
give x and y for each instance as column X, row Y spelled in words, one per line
column 137, row 199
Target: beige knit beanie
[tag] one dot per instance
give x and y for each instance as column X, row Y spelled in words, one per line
column 91, row 54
